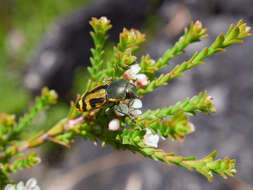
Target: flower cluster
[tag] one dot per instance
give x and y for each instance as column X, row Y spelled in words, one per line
column 132, row 75
column 132, row 108
column 31, row 184
column 129, row 107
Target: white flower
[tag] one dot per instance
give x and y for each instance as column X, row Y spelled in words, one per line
column 114, row 124
column 21, row 186
column 142, row 80
column 132, row 71
column 134, row 107
column 132, row 74
column 128, row 107
column 192, row 126
column 136, row 103
column 31, row 184
column 136, row 112
column 104, row 19
column 9, row 187
column 150, row 139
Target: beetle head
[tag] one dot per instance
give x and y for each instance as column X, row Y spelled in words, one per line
column 131, row 91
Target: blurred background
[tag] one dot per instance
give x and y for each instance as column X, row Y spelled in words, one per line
column 47, row 43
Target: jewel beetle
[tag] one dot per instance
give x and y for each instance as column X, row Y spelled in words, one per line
column 110, row 91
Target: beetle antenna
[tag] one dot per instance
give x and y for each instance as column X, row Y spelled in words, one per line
column 131, row 118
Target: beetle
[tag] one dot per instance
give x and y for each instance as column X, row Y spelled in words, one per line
column 108, row 92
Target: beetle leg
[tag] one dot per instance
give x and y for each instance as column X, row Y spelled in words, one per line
column 108, row 110
column 122, row 109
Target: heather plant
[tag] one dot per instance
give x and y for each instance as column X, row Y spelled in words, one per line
column 106, row 125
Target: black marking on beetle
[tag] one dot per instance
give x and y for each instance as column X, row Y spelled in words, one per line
column 94, row 101
column 78, row 106
column 98, row 88
column 84, row 105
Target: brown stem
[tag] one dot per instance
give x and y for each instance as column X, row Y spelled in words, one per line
column 42, row 137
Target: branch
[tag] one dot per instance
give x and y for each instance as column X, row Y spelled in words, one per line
column 234, row 35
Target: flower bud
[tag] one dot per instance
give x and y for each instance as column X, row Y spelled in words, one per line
column 114, row 125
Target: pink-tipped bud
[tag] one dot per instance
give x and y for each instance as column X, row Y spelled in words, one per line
column 114, row 125
column 142, row 80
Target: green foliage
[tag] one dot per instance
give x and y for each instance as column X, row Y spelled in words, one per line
column 172, row 121
column 199, row 103
column 100, row 27
column 191, row 35
column 48, row 97
column 176, row 127
column 21, row 162
column 10, row 131
column 206, row 166
column 18, row 164
column 123, row 57
column 234, row 34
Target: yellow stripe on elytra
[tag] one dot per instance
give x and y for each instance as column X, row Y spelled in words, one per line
column 97, row 94
column 99, row 84
column 81, row 105
column 116, row 100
